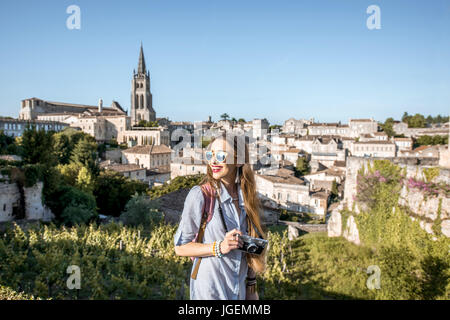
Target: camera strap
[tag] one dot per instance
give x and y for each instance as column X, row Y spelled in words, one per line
column 223, row 219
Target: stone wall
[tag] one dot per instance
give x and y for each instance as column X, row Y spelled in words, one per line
column 425, row 209
column 10, row 198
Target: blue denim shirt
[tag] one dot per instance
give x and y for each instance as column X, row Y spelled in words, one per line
column 217, row 278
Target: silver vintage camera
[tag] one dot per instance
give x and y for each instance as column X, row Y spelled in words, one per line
column 253, row 245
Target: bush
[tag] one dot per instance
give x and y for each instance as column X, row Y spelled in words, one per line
column 73, row 215
column 68, row 196
column 141, row 210
column 180, row 182
column 112, row 191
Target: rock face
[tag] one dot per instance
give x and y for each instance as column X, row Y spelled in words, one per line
column 9, row 199
column 445, row 227
column 292, row 232
column 351, row 232
column 334, row 225
column 10, row 203
column 425, row 209
column 34, row 208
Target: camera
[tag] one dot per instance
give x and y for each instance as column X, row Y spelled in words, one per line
column 253, row 245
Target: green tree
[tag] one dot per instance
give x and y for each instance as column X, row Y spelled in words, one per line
column 334, row 191
column 113, row 191
column 75, row 215
column 5, row 143
column 417, row 121
column 85, row 180
column 224, row 116
column 141, row 210
column 37, row 147
column 68, row 196
column 388, row 128
column 85, row 155
column 241, row 120
column 65, row 141
column 302, row 166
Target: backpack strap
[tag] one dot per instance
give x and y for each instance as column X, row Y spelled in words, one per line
column 207, row 213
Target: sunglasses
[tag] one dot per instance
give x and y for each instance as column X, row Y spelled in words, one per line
column 220, row 155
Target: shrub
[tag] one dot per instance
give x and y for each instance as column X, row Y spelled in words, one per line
column 73, row 215
column 141, row 210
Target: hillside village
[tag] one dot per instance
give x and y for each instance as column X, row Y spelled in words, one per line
column 301, row 167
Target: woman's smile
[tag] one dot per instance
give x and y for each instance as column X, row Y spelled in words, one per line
column 216, row 169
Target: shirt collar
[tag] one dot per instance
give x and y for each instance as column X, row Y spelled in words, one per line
column 224, row 195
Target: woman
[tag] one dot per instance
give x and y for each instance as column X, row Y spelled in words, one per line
column 224, row 272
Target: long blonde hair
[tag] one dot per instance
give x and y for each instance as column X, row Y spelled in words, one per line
column 251, row 200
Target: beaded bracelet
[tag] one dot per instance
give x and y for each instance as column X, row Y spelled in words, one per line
column 217, row 251
column 214, row 248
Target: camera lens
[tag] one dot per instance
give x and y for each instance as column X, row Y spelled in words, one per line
column 252, row 248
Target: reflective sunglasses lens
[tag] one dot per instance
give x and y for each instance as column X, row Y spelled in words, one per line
column 221, row 156
column 208, row 155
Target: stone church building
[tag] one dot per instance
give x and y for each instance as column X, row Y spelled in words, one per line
column 106, row 123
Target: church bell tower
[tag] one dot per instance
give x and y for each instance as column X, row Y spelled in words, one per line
column 141, row 97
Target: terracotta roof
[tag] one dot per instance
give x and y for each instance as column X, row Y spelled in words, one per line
column 320, row 194
column 421, row 148
column 361, row 120
column 324, row 125
column 292, row 150
column 374, row 142
column 123, row 167
column 285, row 179
column 338, row 163
column 149, row 149
column 306, row 138
column 403, row 139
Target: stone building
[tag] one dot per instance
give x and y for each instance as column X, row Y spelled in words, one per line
column 296, row 126
column 141, row 97
column 403, row 144
column 152, row 157
column 373, row 149
column 34, row 107
column 146, row 136
column 187, row 166
column 16, row 127
column 335, row 129
column 422, row 152
column 280, row 189
column 362, row 126
column 132, row 171
column 108, row 123
column 403, row 128
column 304, row 143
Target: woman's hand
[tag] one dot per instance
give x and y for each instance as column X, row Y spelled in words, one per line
column 231, row 241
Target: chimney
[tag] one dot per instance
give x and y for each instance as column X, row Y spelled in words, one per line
column 100, row 105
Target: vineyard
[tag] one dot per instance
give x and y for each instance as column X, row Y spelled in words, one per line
column 118, row 262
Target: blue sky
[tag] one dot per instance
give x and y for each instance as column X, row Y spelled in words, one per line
column 251, row 59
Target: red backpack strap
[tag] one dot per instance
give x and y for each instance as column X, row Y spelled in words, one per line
column 210, row 200
column 207, row 213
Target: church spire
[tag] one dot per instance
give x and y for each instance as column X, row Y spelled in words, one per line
column 141, row 66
